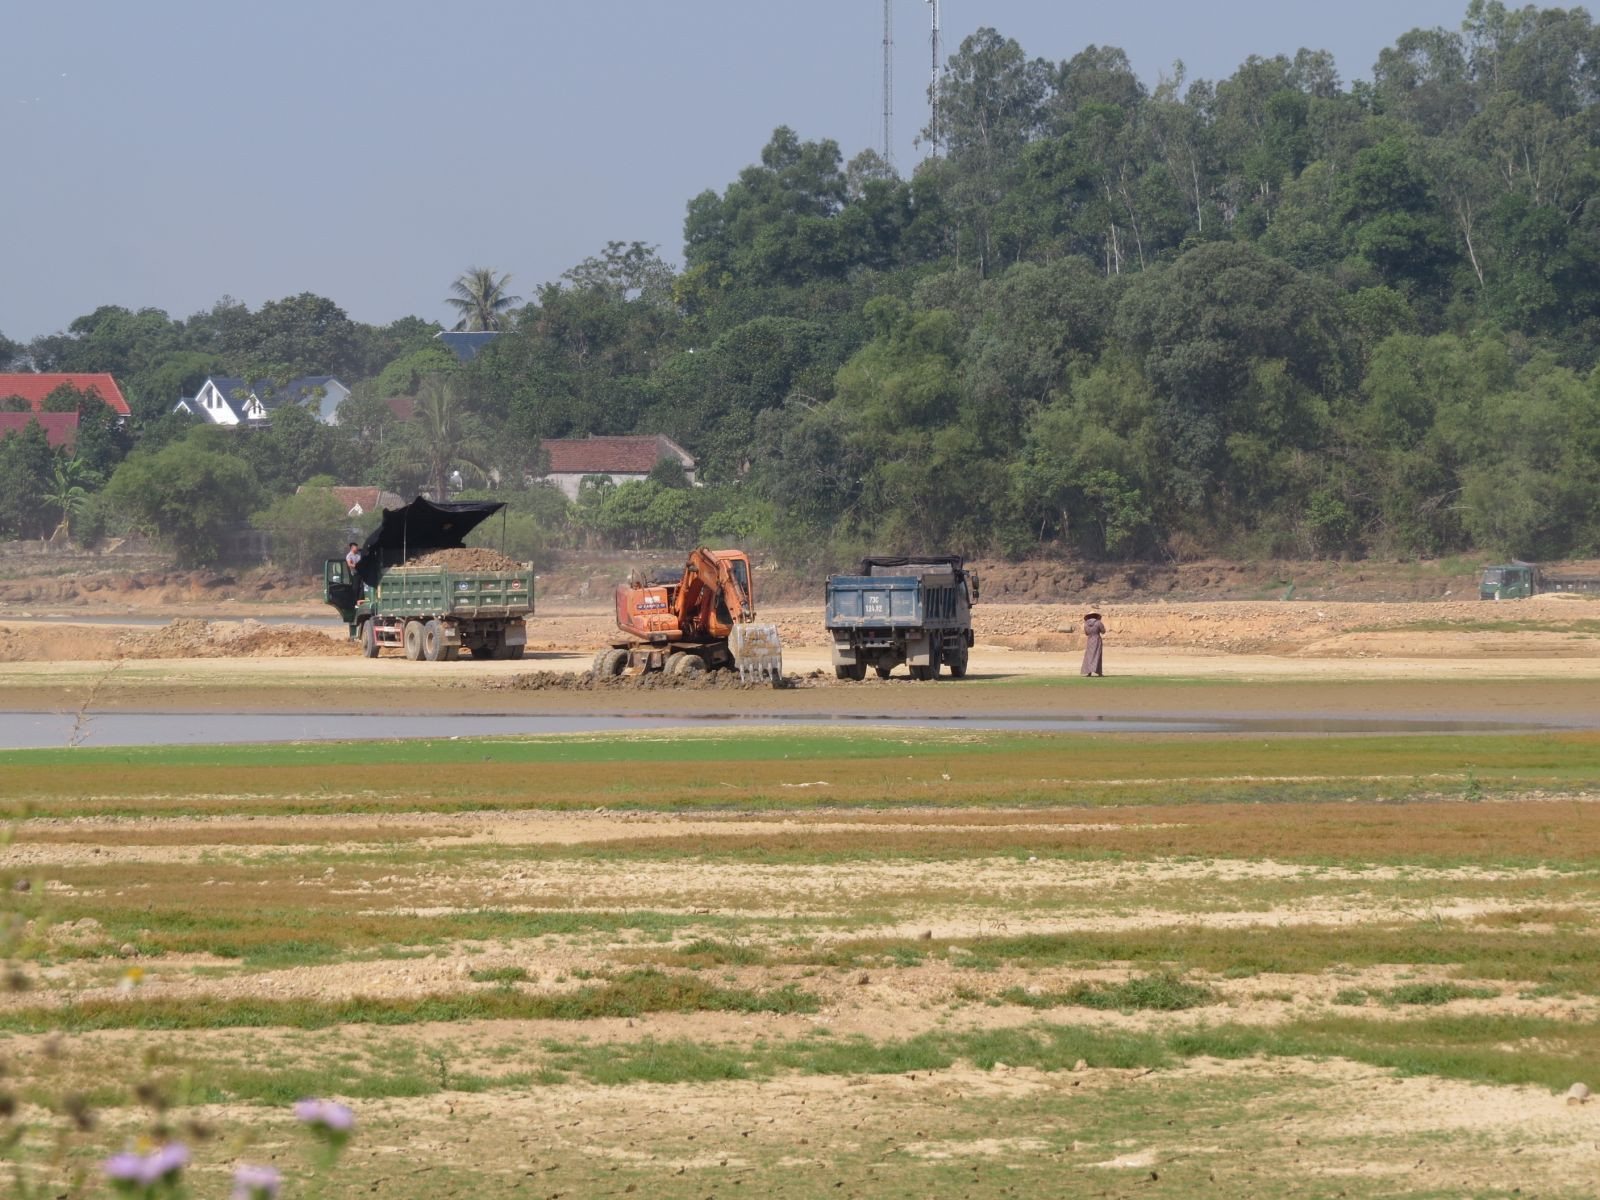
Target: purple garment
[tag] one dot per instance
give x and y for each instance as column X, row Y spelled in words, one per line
column 1093, row 627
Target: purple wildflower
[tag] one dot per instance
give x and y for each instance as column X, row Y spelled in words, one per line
column 164, row 1165
column 255, row 1183
column 125, row 1171
column 326, row 1114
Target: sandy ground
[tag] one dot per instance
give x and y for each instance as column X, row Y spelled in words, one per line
column 1528, row 661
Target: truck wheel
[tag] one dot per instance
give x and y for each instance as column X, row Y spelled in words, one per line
column 855, row 672
column 515, row 651
column 935, row 655
column 958, row 664
column 884, row 670
column 688, row 666
column 413, row 640
column 369, row 640
column 610, row 663
column 433, row 641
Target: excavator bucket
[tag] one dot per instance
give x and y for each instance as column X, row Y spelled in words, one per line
column 757, row 652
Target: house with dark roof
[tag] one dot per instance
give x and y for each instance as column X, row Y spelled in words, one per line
column 34, row 388
column 465, row 345
column 619, row 459
column 230, row 400
column 60, row 429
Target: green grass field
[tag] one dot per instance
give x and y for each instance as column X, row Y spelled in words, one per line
column 804, row 962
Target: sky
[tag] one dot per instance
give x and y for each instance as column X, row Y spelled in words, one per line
column 170, row 152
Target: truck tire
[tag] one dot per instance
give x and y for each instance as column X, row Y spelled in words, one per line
column 931, row 671
column 515, row 651
column 369, row 640
column 958, row 663
column 413, row 640
column 610, row 663
column 884, row 670
column 855, row 672
column 432, row 641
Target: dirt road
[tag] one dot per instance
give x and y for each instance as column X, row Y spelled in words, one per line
column 1536, row 660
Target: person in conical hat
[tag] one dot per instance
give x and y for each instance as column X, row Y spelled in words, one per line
column 1093, row 630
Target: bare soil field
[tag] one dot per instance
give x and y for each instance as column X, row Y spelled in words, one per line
column 845, row 960
column 803, row 963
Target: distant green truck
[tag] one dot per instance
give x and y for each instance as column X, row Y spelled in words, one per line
column 1519, row 580
column 430, row 612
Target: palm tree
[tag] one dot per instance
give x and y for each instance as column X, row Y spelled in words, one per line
column 481, row 299
column 66, row 493
column 446, row 436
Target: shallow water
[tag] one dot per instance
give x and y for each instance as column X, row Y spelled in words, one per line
column 35, row 730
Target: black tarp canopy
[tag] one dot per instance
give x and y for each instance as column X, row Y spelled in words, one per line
column 425, row 525
column 883, row 564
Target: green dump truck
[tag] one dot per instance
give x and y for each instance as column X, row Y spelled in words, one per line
column 1519, row 580
column 418, row 589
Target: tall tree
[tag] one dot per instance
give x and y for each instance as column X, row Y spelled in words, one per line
column 482, row 300
column 446, row 437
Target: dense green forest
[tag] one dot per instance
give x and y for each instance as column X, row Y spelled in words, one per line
column 1275, row 314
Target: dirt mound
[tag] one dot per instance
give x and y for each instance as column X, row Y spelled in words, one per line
column 466, row 558
column 561, row 681
column 186, row 638
column 55, row 643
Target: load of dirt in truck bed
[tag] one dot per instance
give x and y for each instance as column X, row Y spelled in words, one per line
column 187, row 638
column 466, row 558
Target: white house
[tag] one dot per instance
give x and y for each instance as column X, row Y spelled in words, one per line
column 229, row 400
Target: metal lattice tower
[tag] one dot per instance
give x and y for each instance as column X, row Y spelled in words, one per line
column 933, row 80
column 888, row 82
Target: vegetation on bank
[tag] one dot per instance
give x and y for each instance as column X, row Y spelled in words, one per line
column 1270, row 313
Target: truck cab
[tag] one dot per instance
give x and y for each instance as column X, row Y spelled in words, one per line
column 1509, row 581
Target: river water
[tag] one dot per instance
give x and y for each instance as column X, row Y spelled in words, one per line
column 37, row 730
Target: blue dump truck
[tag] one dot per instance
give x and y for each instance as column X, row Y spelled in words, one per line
column 902, row 610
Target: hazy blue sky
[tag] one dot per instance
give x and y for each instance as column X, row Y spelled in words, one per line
column 165, row 153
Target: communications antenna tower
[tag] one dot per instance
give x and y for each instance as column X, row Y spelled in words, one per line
column 933, row 81
column 888, row 82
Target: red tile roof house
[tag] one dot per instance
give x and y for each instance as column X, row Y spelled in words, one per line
column 34, row 388
column 621, row 459
column 359, row 501
column 60, row 429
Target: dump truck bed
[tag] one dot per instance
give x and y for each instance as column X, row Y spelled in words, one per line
column 892, row 601
column 437, row 592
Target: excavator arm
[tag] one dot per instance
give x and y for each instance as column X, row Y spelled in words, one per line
column 710, row 598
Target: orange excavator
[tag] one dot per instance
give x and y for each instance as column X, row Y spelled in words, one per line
column 703, row 621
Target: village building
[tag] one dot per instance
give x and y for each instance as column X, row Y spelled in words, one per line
column 230, row 400
column 619, row 459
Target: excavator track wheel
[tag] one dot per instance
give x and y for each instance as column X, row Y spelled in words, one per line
column 688, row 666
column 610, row 663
